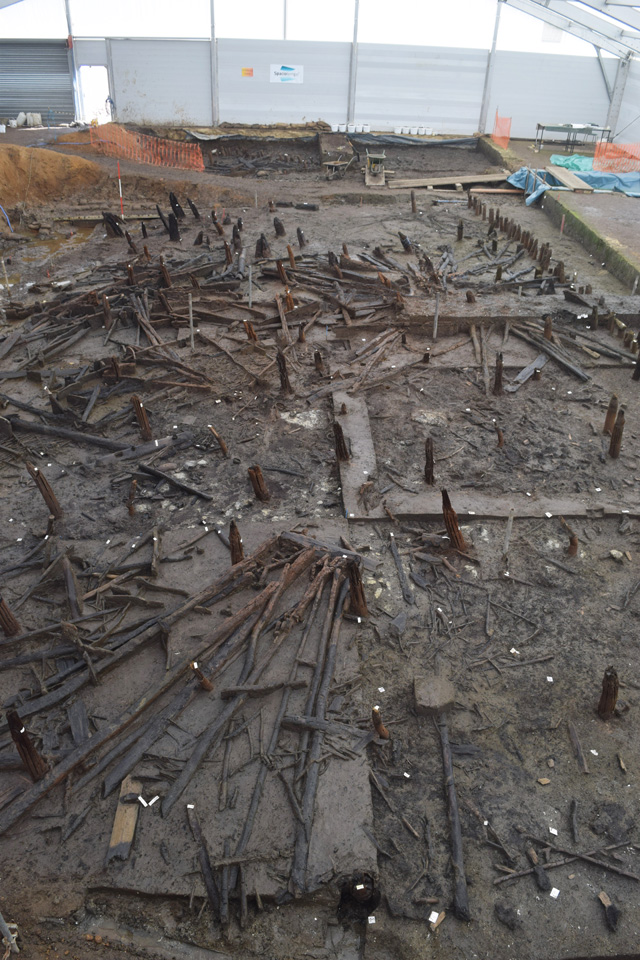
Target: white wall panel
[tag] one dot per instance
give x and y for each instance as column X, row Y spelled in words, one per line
column 536, row 88
column 162, row 81
column 630, row 110
column 246, row 99
column 440, row 87
column 91, row 53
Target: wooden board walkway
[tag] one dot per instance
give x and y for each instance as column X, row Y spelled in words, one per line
column 568, row 179
column 450, row 180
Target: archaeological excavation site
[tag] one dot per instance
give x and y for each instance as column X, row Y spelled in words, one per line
column 320, row 481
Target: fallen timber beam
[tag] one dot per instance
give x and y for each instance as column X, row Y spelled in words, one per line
column 449, row 181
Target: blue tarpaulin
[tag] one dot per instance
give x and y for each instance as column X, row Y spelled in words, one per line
column 535, row 182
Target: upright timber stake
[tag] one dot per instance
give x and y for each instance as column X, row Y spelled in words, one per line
column 380, row 728
column 548, row 327
column 285, row 383
column 414, row 208
column 142, row 418
column 497, row 383
column 428, row 462
column 200, row 677
column 35, row 764
column 451, row 523
column 357, row 599
column 342, row 451
column 609, row 696
column 8, row 623
column 636, row 369
column 44, row 487
column 301, row 240
column 460, row 229
column 278, row 226
column 616, row 435
column 572, row 549
column 610, row 418
column 221, row 443
column 257, row 482
column 174, row 230
column 235, row 543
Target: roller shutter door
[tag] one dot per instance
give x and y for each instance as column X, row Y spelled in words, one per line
column 35, row 77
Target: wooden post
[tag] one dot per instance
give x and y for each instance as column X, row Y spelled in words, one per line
column 414, row 207
column 636, row 369
column 609, row 696
column 548, row 327
column 318, row 361
column 278, row 226
column 610, row 418
column 285, row 384
column 44, row 487
column 301, row 240
column 342, row 451
column 428, row 461
column 202, row 680
column 8, row 623
column 379, row 726
column 616, row 435
column 460, row 229
column 235, row 543
column 35, row 764
column 142, row 418
column 358, row 600
column 497, row 383
column 451, row 523
column 221, row 443
column 174, row 230
column 292, row 259
column 257, row 482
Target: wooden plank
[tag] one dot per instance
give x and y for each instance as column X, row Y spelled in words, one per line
column 568, row 179
column 78, row 721
column 450, row 181
column 125, row 820
column 527, row 373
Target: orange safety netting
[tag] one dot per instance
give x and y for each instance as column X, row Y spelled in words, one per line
column 617, row 157
column 115, row 141
column 501, row 131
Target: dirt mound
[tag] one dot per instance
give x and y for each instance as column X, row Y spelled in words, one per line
column 29, row 175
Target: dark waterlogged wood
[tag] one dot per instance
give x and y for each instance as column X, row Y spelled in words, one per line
column 460, row 893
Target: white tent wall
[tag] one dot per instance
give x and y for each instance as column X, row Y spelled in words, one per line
column 629, row 121
column 536, row 88
column 162, row 81
column 437, row 87
column 254, row 98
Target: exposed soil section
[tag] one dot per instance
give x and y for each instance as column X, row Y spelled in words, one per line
column 327, row 840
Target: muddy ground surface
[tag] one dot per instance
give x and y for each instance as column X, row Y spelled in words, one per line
column 524, row 637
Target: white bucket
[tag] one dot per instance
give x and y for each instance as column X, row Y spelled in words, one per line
column 413, row 131
column 342, row 128
column 366, row 128
column 358, row 127
column 421, row 131
column 351, row 128
column 405, row 130
column 428, row 131
column 3, row 128
column 397, row 130
column 335, row 127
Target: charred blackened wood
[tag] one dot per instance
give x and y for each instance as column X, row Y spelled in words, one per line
column 460, row 893
column 301, row 239
column 471, row 297
column 143, row 228
column 609, row 696
column 199, row 238
column 407, row 245
column 44, row 487
column 175, row 206
column 636, row 369
column 357, row 599
column 342, row 451
column 407, row 592
column 460, row 230
column 235, row 544
column 257, row 482
column 204, row 861
column 285, row 384
column 164, row 220
column 35, row 764
column 132, row 245
column 239, row 223
column 262, row 247
column 174, row 230
column 379, row 726
column 8, row 623
column 497, row 383
column 141, row 417
column 194, row 209
column 616, row 435
column 610, row 418
column 237, row 239
column 112, row 225
column 278, row 226
column 318, row 361
column 428, row 461
column 451, row 523
column 226, row 219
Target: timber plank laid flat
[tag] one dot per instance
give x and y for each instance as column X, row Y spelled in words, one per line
column 450, row 180
column 568, row 179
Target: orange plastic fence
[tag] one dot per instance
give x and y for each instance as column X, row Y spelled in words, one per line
column 501, row 131
column 617, row 157
column 115, row 141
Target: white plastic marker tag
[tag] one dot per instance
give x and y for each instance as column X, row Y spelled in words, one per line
column 555, row 893
column 151, row 802
column 189, row 806
column 143, row 801
column 360, row 886
column 371, row 919
column 553, row 831
column 433, row 916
